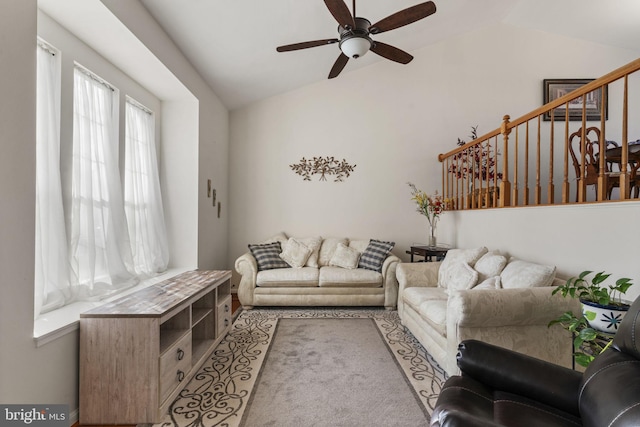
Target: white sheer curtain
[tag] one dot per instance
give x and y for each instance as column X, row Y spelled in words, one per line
column 100, row 250
column 51, row 260
column 143, row 200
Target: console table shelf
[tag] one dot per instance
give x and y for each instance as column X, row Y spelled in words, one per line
column 138, row 352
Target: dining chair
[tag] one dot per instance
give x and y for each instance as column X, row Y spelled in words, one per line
column 591, row 148
column 634, row 183
column 635, row 169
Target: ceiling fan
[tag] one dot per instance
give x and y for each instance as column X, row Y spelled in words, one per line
column 355, row 32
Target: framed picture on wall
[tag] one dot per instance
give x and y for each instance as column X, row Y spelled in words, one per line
column 556, row 88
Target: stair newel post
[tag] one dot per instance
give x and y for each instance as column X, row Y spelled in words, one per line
column 505, row 185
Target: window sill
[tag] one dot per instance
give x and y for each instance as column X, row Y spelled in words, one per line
column 65, row 320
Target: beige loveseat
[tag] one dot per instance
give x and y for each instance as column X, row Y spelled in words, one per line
column 336, row 272
column 476, row 294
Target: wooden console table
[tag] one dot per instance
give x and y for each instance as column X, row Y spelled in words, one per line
column 428, row 252
column 138, row 352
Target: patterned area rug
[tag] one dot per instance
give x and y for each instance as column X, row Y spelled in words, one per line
column 219, row 392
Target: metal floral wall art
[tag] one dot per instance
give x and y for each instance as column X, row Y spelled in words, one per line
column 323, row 166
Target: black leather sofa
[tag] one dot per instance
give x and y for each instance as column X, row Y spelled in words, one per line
column 499, row 387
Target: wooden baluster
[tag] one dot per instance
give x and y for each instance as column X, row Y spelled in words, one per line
column 538, row 193
column 472, row 176
column 487, row 201
column 551, row 188
column 461, row 185
column 602, row 146
column 565, row 180
column 582, row 189
column 494, row 202
column 505, row 185
column 450, row 184
column 525, row 199
column 515, row 195
column 444, row 184
column 624, row 162
column 482, row 157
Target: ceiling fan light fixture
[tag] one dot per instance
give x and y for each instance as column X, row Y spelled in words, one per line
column 356, row 46
column 354, row 33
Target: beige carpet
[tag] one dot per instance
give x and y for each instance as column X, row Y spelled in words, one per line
column 219, row 393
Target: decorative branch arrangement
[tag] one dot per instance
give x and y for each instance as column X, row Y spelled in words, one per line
column 478, row 161
column 323, row 166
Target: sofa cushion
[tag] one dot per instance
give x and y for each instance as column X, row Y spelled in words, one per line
column 448, row 266
column 489, row 265
column 295, row 253
column 435, row 313
column 268, row 256
column 416, row 295
column 345, row 257
column 373, row 257
column 462, row 277
column 523, row 274
column 288, row 277
column 328, row 248
column 312, row 243
column 489, row 283
column 356, row 278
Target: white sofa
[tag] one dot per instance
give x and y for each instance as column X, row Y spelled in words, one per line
column 332, row 275
column 476, row 294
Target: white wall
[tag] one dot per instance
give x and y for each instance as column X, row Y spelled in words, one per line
column 596, row 237
column 213, row 135
column 393, row 121
column 27, row 374
column 49, row 374
column 179, row 181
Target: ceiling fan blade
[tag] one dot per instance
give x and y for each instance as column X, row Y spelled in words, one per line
column 338, row 65
column 404, row 17
column 341, row 13
column 305, row 45
column 390, row 52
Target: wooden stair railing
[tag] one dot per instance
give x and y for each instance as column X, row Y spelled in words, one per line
column 501, row 169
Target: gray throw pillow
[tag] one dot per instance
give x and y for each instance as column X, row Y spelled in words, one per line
column 268, row 256
column 373, row 257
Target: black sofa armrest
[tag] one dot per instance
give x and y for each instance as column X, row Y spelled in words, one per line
column 507, row 370
column 453, row 418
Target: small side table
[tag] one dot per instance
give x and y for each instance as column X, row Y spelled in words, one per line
column 428, row 252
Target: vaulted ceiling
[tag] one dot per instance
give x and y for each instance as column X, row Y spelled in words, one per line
column 233, row 44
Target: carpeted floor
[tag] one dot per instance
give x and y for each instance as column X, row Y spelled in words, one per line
column 221, row 391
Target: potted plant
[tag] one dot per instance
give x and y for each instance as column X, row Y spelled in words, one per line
column 602, row 306
column 602, row 311
column 587, row 342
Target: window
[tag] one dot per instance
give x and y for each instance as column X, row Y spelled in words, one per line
column 99, row 247
column 106, row 236
column 143, row 200
column 51, row 260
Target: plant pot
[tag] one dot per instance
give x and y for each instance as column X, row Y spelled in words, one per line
column 603, row 318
